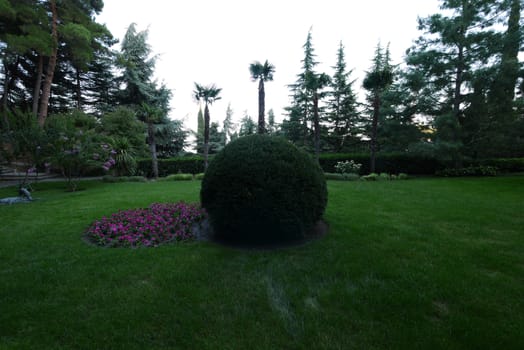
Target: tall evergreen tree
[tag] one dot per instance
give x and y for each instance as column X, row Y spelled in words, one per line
column 49, row 40
column 228, row 125
column 200, row 131
column 316, row 83
column 140, row 91
column 272, row 127
column 445, row 58
column 216, row 138
column 247, row 126
column 301, row 109
column 342, row 106
column 377, row 80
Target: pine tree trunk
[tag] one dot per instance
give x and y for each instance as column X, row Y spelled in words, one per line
column 78, row 91
column 46, row 90
column 374, row 128
column 5, row 96
column 503, row 89
column 316, row 121
column 261, row 107
column 458, row 84
column 152, row 149
column 38, row 84
column 206, row 135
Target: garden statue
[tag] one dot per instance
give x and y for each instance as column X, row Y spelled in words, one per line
column 24, row 197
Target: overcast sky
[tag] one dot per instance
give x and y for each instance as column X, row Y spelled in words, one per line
column 214, row 41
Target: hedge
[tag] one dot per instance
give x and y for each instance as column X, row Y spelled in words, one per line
column 186, row 165
column 391, row 163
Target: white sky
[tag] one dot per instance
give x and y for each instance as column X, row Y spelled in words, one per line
column 214, row 41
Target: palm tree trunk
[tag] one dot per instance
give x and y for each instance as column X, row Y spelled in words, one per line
column 261, row 107
column 46, row 90
column 38, row 84
column 206, row 136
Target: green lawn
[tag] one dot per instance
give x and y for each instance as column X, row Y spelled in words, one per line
column 418, row 264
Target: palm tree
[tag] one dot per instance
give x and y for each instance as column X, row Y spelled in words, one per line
column 207, row 94
column 261, row 72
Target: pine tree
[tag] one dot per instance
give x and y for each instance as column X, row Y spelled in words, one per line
column 301, row 109
column 247, row 126
column 141, row 92
column 228, row 125
column 377, row 81
column 342, row 106
column 272, row 127
column 445, row 58
column 200, row 131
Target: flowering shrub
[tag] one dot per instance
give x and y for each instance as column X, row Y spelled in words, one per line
column 149, row 227
column 348, row 167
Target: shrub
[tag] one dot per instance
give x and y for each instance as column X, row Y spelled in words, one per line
column 263, row 190
column 342, row 177
column 334, row 176
column 403, row 176
column 392, row 163
column 348, row 167
column 199, row 176
column 177, row 177
column 185, row 165
column 110, row 178
column 506, row 165
column 384, row 176
column 351, row 177
column 469, row 171
column 370, row 177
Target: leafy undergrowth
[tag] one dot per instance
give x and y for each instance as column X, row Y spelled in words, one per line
column 146, row 227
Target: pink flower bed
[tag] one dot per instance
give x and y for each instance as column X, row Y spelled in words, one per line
column 160, row 223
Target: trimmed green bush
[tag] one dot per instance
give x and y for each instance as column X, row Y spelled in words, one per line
column 263, row 190
column 370, row 177
column 391, row 163
column 505, row 165
column 110, row 178
column 342, row 177
column 384, row 177
column 469, row 171
column 185, row 165
column 199, row 176
column 177, row 177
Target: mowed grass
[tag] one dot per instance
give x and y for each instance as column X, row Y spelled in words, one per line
column 418, row 264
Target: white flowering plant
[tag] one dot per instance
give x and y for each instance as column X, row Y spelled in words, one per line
column 348, row 167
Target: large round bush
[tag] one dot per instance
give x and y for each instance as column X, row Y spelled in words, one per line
column 263, row 190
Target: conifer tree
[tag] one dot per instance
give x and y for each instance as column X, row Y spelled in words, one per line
column 301, row 109
column 200, row 131
column 377, row 80
column 342, row 106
